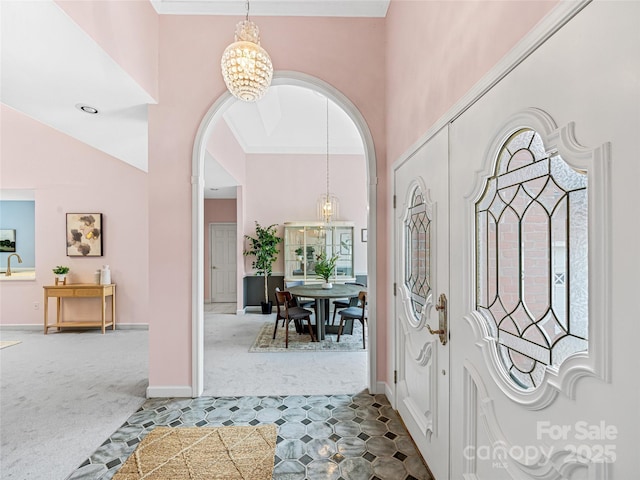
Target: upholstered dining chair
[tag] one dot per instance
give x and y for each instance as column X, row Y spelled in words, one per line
column 288, row 311
column 345, row 303
column 355, row 313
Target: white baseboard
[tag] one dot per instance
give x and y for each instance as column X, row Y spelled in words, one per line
column 40, row 326
column 31, row 326
column 383, row 388
column 183, row 391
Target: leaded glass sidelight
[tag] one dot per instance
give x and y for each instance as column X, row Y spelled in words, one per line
column 531, row 227
column 418, row 247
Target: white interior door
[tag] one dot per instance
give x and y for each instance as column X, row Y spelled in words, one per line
column 223, row 262
column 422, row 286
column 543, row 382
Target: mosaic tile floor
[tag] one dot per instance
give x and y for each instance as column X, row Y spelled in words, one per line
column 332, row 437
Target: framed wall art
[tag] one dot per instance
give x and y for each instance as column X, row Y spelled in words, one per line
column 84, row 234
column 7, row 240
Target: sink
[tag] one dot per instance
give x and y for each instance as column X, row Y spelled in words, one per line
column 18, row 275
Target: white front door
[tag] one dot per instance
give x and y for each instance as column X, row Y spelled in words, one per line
column 544, row 381
column 422, row 285
column 223, row 262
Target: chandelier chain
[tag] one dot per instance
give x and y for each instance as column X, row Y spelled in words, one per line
column 247, row 16
column 328, row 149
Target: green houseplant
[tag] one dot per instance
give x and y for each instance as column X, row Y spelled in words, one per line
column 60, row 273
column 264, row 246
column 60, row 270
column 325, row 267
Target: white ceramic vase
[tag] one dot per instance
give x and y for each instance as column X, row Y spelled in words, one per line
column 327, row 285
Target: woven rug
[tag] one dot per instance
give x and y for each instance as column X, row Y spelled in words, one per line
column 193, row 453
column 302, row 343
column 5, row 344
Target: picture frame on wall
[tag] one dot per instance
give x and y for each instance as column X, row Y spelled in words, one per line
column 84, row 234
column 7, row 240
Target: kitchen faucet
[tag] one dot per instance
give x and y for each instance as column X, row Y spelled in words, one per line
column 8, row 274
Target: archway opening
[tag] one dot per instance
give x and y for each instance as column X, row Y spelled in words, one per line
column 214, row 114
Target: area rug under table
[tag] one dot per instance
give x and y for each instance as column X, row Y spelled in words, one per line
column 198, row 453
column 265, row 342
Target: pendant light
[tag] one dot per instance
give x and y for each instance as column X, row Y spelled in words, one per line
column 327, row 209
column 246, row 66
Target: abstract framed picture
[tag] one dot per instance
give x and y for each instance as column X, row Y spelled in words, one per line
column 84, row 234
column 7, row 240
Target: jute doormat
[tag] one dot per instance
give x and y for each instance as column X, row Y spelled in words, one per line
column 265, row 342
column 194, row 453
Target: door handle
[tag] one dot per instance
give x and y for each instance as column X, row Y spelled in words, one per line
column 441, row 308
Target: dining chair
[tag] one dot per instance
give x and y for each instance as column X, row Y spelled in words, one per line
column 302, row 302
column 288, row 311
column 355, row 313
column 345, row 302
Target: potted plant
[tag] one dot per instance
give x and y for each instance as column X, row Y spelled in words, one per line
column 325, row 267
column 299, row 253
column 61, row 273
column 264, row 247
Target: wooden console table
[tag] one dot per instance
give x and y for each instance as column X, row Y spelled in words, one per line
column 80, row 290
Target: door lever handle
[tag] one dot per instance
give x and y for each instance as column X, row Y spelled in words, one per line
column 441, row 308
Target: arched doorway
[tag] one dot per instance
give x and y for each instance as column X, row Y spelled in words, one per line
column 213, row 115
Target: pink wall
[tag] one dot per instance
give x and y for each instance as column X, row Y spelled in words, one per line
column 215, row 211
column 127, row 31
column 224, row 147
column 437, row 51
column 190, row 81
column 285, row 188
column 68, row 176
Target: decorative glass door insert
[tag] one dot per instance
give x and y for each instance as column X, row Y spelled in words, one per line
column 531, row 258
column 417, row 266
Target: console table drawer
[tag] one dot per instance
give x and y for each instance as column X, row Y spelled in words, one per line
column 61, row 292
column 87, row 292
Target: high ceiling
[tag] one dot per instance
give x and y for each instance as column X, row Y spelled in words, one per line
column 306, row 8
column 50, row 67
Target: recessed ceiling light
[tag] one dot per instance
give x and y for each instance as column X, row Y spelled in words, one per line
column 87, row 108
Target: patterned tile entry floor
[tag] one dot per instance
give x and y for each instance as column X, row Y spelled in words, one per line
column 332, row 437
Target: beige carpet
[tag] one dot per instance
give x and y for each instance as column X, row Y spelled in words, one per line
column 5, row 344
column 265, row 342
column 223, row 453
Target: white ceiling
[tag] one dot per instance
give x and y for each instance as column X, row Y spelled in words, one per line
column 50, row 65
column 291, row 119
column 304, row 8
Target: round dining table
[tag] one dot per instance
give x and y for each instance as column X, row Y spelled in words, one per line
column 322, row 297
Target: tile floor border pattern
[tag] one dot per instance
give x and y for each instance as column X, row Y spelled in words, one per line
column 332, row 437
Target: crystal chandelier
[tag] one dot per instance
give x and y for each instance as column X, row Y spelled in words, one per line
column 246, row 66
column 327, row 204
